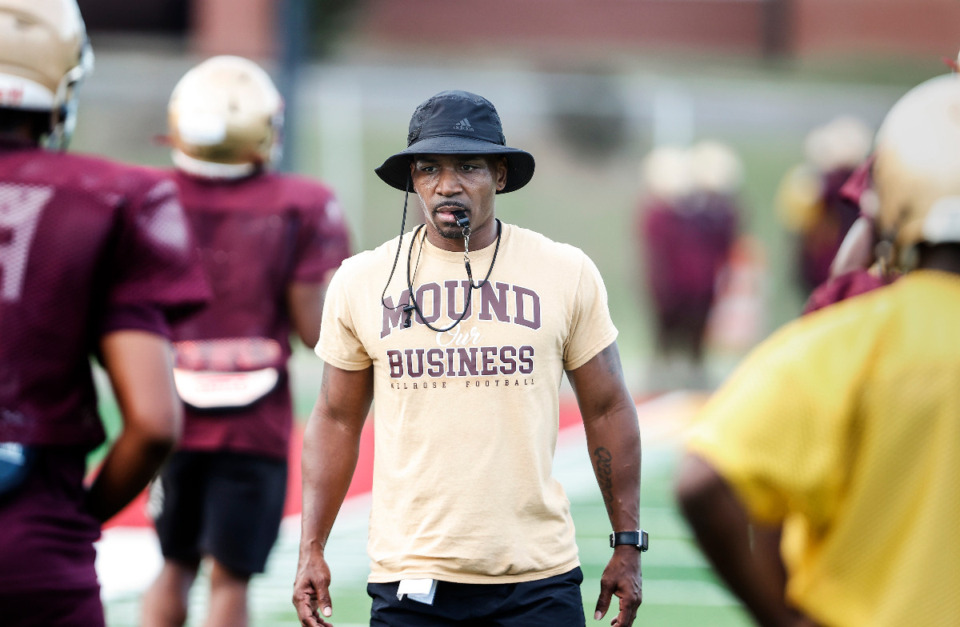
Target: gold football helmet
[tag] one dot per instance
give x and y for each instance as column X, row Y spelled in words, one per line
column 843, row 142
column 666, row 173
column 225, row 119
column 917, row 169
column 44, row 55
column 716, row 167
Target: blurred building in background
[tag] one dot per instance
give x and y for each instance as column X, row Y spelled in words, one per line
column 589, row 86
column 563, row 27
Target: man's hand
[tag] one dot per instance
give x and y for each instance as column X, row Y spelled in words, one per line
column 311, row 591
column 622, row 577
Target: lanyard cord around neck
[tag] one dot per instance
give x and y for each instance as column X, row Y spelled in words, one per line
column 413, row 306
column 396, row 258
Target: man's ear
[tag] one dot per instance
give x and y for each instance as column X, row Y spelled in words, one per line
column 501, row 173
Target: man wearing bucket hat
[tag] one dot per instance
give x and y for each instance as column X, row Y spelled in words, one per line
column 461, row 332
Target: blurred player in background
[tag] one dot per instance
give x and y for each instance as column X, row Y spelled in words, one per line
column 95, row 257
column 856, row 268
column 687, row 226
column 842, row 431
column 862, row 262
column 809, row 200
column 267, row 242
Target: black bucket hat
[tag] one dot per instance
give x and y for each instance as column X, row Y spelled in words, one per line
column 455, row 123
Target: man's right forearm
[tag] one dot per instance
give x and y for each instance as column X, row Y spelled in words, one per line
column 330, row 452
column 722, row 529
column 132, row 462
column 140, row 367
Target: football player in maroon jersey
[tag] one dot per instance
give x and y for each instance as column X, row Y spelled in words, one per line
column 810, row 200
column 267, row 242
column 856, row 269
column 860, row 265
column 686, row 227
column 95, row 258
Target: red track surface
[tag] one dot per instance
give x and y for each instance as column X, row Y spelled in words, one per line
column 134, row 515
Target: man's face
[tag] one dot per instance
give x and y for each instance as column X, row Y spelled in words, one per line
column 447, row 183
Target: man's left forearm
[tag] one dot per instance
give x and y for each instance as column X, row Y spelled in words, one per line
column 613, row 441
column 613, row 438
column 613, row 434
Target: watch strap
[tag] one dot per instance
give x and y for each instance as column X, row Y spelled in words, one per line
column 638, row 539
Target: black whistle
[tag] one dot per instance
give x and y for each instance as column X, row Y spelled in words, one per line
column 408, row 316
column 463, row 221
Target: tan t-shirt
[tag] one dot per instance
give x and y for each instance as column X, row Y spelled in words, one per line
column 466, row 420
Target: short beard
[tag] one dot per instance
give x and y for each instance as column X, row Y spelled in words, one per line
column 453, row 232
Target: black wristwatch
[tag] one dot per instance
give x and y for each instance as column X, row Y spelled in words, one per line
column 637, row 539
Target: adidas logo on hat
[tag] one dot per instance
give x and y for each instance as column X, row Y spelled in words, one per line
column 463, row 125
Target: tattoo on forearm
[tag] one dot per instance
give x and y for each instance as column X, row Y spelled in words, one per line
column 603, row 466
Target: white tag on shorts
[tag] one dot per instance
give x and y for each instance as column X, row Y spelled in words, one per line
column 420, row 590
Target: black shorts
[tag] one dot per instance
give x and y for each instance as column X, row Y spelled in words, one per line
column 220, row 504
column 547, row 602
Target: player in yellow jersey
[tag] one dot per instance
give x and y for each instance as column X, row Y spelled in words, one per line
column 842, row 431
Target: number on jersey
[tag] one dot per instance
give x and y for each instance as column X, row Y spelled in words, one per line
column 20, row 209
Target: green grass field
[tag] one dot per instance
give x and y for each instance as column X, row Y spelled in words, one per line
column 680, row 590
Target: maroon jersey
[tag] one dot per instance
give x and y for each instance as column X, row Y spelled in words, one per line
column 256, row 236
column 859, row 181
column 685, row 248
column 820, row 243
column 86, row 247
column 842, row 287
column 835, row 289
